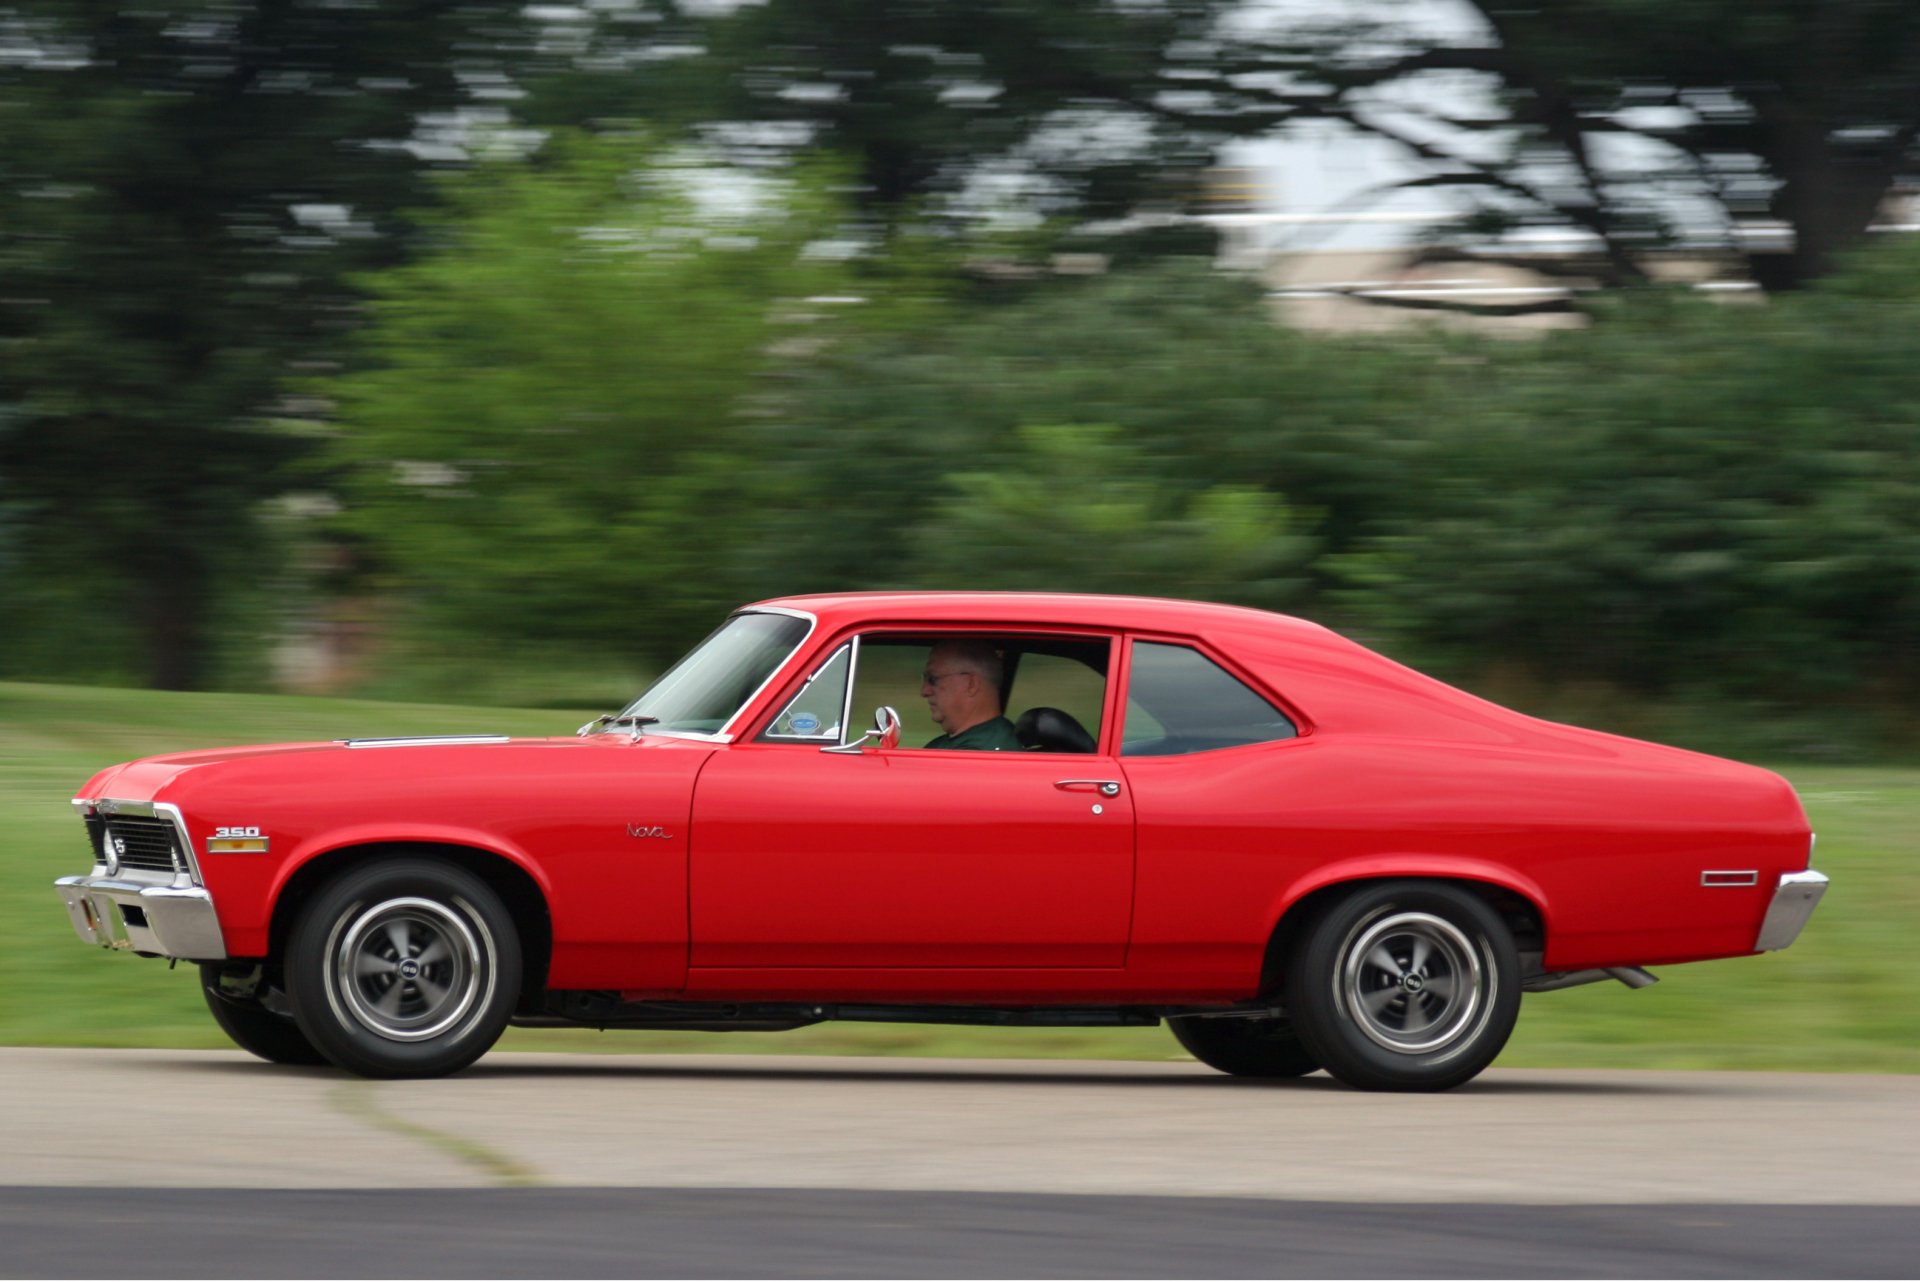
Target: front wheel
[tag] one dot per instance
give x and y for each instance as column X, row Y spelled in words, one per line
column 1246, row 1046
column 1405, row 986
column 404, row 968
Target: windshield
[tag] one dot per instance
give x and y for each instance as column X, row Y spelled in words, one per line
column 717, row 677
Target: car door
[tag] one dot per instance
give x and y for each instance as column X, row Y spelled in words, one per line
column 907, row 857
column 1232, row 803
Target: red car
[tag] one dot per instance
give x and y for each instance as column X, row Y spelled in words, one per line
column 1298, row 853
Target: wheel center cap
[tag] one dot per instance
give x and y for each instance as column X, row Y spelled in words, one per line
column 409, row 969
column 1413, row 983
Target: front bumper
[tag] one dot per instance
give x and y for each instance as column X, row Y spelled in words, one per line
column 1794, row 900
column 130, row 913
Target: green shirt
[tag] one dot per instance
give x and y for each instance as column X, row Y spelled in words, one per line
column 989, row 736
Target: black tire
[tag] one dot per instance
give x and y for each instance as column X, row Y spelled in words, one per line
column 1245, row 1046
column 1405, row 986
column 404, row 968
column 253, row 1027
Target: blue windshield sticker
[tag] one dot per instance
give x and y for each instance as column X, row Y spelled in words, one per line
column 805, row 723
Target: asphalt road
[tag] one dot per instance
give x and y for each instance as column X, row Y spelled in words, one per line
column 169, row 1164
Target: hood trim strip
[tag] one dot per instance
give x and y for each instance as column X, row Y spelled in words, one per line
column 424, row 740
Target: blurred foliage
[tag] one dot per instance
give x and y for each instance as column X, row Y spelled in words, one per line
column 1805, row 113
column 1041, row 99
column 782, row 323
column 1183, row 367
column 1634, row 123
column 1024, row 107
column 1693, row 497
column 1077, row 510
column 543, row 443
column 181, row 187
column 1696, row 503
column 1617, row 119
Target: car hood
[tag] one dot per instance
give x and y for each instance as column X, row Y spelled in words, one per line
column 163, row 777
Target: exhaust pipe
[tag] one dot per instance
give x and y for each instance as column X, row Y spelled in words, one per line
column 1554, row 981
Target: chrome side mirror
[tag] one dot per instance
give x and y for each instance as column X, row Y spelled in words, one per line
column 886, row 729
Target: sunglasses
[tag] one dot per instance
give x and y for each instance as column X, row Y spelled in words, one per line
column 932, row 678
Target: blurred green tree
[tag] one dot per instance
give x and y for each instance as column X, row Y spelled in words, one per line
column 545, row 442
column 946, row 107
column 1699, row 502
column 1198, row 391
column 931, row 96
column 183, row 185
column 1080, row 509
column 1622, row 120
column 1695, row 498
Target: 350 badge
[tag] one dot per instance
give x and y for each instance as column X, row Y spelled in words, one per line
column 237, row 839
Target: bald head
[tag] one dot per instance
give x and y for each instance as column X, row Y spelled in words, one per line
column 962, row 684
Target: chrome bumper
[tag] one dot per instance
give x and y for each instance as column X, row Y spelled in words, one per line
column 143, row 917
column 1793, row 902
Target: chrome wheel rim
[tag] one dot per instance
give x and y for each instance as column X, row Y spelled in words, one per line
column 410, row 969
column 1412, row 982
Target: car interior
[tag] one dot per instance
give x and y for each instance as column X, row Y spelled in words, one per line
column 1053, row 689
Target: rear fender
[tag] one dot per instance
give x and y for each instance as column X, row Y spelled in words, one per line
column 1394, row 867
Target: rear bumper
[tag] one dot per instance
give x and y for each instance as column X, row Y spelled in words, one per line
column 138, row 916
column 1794, row 900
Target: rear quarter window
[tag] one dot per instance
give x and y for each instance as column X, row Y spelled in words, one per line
column 1179, row 701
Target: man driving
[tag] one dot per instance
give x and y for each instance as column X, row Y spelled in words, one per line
column 962, row 688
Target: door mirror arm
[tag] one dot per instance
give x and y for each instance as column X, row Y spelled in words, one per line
column 886, row 729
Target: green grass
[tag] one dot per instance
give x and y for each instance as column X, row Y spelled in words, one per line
column 1838, row 1000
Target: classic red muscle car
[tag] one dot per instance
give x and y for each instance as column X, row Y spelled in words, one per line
column 1297, row 852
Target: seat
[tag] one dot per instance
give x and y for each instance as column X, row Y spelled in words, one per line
column 1051, row 730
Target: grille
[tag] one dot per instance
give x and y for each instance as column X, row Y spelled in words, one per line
column 150, row 844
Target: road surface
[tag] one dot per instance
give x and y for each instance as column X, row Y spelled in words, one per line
column 174, row 1163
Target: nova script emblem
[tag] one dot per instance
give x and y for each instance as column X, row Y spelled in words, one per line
column 637, row 830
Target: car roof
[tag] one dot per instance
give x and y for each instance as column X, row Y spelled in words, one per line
column 1066, row 609
column 1336, row 681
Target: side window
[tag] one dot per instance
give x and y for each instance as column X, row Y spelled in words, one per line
column 1180, row 701
column 813, row 715
column 1050, row 690
column 1050, row 687
column 889, row 674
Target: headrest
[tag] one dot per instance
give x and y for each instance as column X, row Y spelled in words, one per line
column 1051, row 730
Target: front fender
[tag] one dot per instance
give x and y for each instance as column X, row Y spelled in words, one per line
column 248, row 893
column 323, row 844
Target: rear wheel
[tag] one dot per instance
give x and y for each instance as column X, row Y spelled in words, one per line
column 1405, row 985
column 404, row 968
column 1246, row 1046
column 254, row 1028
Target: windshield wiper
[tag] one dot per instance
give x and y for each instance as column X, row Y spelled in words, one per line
column 609, row 721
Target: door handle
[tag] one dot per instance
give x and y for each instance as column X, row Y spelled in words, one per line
column 1105, row 787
